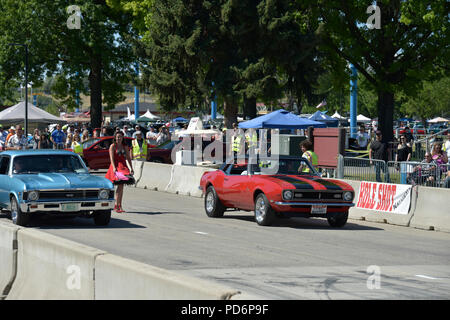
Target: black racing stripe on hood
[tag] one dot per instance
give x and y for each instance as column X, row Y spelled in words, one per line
column 326, row 183
column 298, row 184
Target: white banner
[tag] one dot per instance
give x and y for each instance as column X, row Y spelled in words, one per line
column 394, row 198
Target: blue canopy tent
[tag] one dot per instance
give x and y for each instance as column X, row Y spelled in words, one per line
column 180, row 119
column 321, row 117
column 281, row 119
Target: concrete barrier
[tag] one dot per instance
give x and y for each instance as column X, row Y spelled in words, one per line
column 380, row 216
column 432, row 211
column 155, row 176
column 51, row 267
column 186, row 180
column 8, row 257
column 124, row 279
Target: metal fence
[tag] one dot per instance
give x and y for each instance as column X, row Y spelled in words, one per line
column 415, row 173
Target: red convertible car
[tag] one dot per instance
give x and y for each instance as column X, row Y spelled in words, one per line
column 96, row 152
column 288, row 186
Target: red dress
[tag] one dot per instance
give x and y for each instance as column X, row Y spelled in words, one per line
column 120, row 161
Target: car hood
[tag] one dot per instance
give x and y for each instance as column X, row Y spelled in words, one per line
column 309, row 182
column 43, row 181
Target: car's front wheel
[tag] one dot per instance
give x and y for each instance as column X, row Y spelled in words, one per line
column 264, row 214
column 337, row 220
column 102, row 217
column 17, row 216
column 213, row 207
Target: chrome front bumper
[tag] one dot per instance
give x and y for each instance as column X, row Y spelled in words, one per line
column 58, row 206
column 331, row 204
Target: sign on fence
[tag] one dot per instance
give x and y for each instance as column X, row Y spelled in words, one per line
column 394, row 198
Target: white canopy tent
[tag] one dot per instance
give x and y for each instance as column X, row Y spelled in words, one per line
column 149, row 115
column 16, row 115
column 362, row 118
column 438, row 120
column 336, row 115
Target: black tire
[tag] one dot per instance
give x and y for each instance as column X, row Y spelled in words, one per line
column 264, row 214
column 337, row 220
column 17, row 216
column 213, row 206
column 102, row 217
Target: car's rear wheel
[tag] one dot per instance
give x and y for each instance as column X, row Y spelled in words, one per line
column 213, row 207
column 337, row 220
column 17, row 216
column 264, row 214
column 102, row 217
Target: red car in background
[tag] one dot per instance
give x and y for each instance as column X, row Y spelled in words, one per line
column 96, row 152
column 274, row 188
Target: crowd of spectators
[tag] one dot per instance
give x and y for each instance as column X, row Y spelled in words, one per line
column 66, row 136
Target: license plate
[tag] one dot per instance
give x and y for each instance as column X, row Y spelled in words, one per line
column 69, row 207
column 319, row 209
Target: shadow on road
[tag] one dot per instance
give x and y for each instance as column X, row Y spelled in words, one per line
column 302, row 223
column 152, row 213
column 53, row 222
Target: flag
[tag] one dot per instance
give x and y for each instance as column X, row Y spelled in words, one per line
column 323, row 103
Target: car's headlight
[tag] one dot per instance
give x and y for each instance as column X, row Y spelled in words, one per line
column 348, row 196
column 33, row 195
column 103, row 194
column 288, row 194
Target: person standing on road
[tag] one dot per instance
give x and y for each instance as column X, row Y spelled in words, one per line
column 379, row 151
column 139, row 147
column 118, row 171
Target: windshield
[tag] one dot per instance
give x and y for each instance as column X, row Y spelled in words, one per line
column 48, row 163
column 89, row 143
column 282, row 166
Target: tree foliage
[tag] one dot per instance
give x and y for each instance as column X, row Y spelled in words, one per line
column 97, row 50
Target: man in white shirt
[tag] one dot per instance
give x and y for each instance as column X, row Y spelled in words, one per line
column 362, row 138
column 17, row 141
column 151, row 136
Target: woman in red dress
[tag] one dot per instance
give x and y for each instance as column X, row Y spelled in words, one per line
column 119, row 154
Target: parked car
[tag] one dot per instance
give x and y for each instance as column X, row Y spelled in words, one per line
column 52, row 182
column 419, row 129
column 435, row 128
column 274, row 188
column 96, row 152
column 414, row 130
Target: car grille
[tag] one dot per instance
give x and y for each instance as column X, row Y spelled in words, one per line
column 68, row 194
column 301, row 195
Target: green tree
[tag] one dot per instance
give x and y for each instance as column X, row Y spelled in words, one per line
column 98, row 50
column 411, row 42
column 432, row 100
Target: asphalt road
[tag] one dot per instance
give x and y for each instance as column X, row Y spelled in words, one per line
column 295, row 259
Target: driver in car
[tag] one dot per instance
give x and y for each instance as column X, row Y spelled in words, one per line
column 19, row 165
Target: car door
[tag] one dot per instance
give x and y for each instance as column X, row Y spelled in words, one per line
column 4, row 181
column 234, row 185
column 98, row 156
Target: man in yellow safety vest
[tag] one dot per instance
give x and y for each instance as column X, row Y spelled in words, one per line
column 139, row 147
column 309, row 154
column 251, row 138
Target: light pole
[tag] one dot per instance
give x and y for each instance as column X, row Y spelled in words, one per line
column 26, row 84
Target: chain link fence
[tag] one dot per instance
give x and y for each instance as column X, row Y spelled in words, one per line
column 411, row 172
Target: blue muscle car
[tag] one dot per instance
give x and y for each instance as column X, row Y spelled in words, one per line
column 55, row 182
